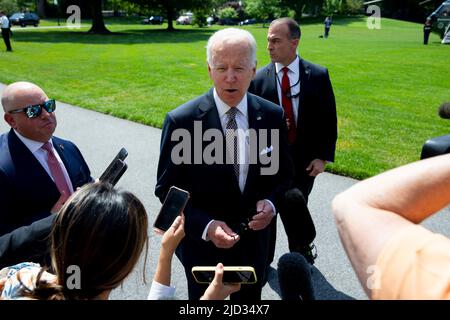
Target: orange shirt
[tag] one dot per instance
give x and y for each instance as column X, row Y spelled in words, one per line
column 415, row 264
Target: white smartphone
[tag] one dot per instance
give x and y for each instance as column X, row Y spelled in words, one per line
column 236, row 274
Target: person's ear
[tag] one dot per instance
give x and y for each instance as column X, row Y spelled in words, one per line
column 209, row 70
column 10, row 120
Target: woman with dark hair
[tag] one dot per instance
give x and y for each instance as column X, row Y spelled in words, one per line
column 96, row 241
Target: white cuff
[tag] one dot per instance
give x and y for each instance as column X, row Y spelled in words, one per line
column 159, row 291
column 205, row 232
column 273, row 207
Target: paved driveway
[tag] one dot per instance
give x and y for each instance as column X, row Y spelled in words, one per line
column 100, row 137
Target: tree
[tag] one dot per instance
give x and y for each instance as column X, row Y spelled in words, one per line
column 263, row 10
column 354, row 6
column 9, row 6
column 41, row 8
column 98, row 25
column 296, row 5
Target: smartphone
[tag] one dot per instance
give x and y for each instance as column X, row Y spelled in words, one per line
column 242, row 274
column 115, row 172
column 116, row 168
column 172, row 207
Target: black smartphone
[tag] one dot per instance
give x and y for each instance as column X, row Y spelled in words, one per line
column 116, row 168
column 172, row 207
column 241, row 274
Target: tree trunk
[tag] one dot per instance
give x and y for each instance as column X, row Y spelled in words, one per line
column 98, row 25
column 170, row 15
column 41, row 8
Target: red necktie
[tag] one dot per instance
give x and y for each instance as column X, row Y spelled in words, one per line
column 286, row 102
column 56, row 170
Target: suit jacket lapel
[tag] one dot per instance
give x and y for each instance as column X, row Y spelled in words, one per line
column 31, row 168
column 207, row 112
column 255, row 117
column 305, row 72
column 272, row 84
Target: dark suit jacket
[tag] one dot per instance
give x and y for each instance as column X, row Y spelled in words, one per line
column 27, row 193
column 28, row 243
column 317, row 120
column 214, row 189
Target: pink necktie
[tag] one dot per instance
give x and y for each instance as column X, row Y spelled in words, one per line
column 56, row 170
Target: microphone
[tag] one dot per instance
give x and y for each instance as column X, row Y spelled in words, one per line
column 294, row 276
column 444, row 110
column 294, row 212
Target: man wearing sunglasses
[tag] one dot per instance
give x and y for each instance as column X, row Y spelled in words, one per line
column 304, row 91
column 38, row 171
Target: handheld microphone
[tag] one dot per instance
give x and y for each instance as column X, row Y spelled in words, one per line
column 294, row 276
column 294, row 212
column 444, row 110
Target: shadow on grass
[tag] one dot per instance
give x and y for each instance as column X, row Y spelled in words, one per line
column 128, row 36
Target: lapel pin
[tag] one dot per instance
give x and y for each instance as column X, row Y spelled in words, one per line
column 61, row 146
column 258, row 118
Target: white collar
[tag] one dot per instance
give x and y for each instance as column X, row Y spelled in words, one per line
column 294, row 66
column 32, row 145
column 223, row 108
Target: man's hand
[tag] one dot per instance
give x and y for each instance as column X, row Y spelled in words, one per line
column 62, row 199
column 221, row 235
column 316, row 166
column 217, row 290
column 263, row 217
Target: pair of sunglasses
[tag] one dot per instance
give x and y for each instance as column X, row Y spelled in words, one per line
column 35, row 111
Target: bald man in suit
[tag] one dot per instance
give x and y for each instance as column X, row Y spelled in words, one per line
column 30, row 189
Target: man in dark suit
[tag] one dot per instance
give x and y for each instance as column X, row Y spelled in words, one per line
column 38, row 171
column 304, row 91
column 232, row 202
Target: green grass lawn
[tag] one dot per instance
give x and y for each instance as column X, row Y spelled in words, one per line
column 388, row 85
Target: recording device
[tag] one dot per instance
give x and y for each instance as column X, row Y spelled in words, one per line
column 444, row 110
column 294, row 212
column 231, row 275
column 172, row 207
column 294, row 276
column 116, row 168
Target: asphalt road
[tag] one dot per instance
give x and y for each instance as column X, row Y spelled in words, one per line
column 100, row 137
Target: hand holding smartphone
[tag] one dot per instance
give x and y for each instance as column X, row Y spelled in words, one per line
column 172, row 207
column 231, row 275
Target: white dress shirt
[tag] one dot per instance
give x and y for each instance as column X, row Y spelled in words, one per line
column 243, row 140
column 42, row 156
column 294, row 81
column 4, row 22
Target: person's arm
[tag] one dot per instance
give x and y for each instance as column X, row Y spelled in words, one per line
column 169, row 244
column 26, row 243
column 369, row 213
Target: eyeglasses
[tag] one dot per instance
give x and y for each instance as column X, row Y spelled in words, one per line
column 35, row 111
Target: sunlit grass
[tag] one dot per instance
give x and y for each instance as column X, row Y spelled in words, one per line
column 388, row 85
